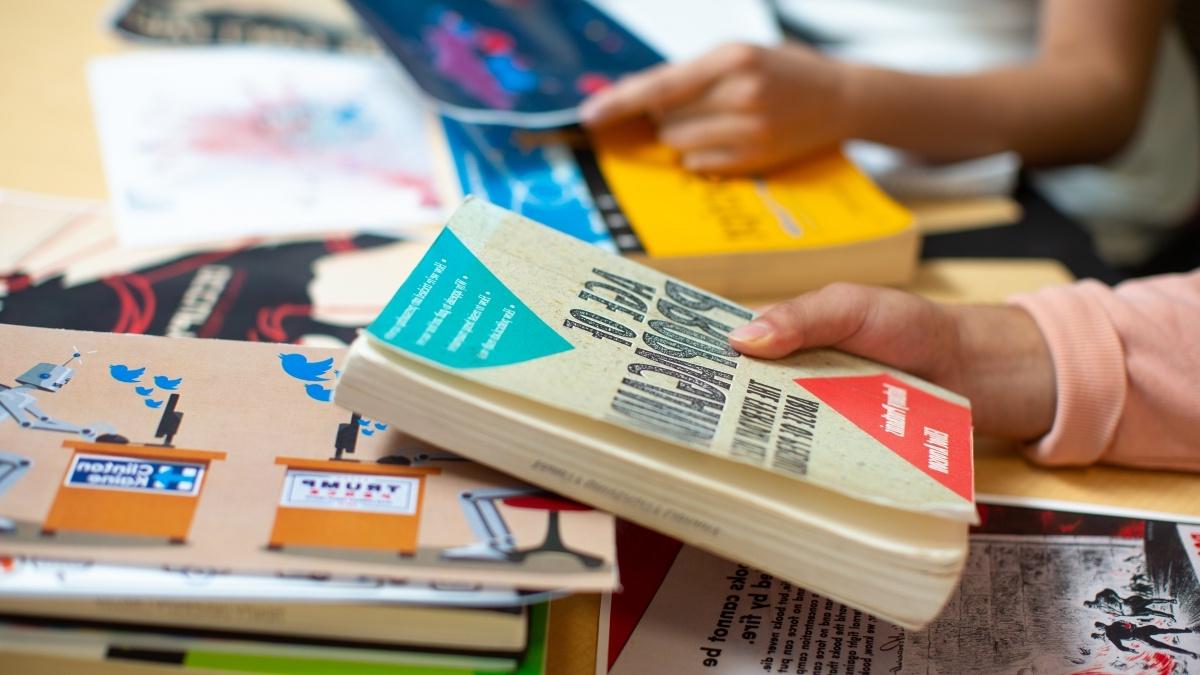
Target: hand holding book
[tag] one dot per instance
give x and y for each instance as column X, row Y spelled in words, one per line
column 734, row 110
column 995, row 356
column 1086, row 372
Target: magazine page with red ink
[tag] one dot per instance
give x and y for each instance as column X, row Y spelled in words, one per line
column 1049, row 587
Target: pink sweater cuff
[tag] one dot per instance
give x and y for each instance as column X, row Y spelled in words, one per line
column 1089, row 367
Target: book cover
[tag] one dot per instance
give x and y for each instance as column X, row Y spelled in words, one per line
column 515, row 306
column 620, row 189
column 821, row 202
column 528, row 64
column 230, row 456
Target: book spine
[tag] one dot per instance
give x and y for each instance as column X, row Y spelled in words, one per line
column 374, row 626
column 609, row 208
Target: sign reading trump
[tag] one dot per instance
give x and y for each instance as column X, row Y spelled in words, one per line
column 351, row 492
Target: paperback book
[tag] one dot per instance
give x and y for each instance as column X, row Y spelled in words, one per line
column 54, row 647
column 793, row 229
column 615, row 385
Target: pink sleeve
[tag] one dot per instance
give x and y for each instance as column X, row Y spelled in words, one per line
column 1127, row 366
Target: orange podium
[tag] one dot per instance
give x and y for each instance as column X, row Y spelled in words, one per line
column 342, row 504
column 144, row 490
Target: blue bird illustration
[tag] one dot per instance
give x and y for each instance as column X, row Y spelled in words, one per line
column 299, row 367
column 144, row 391
column 123, row 373
column 368, row 432
column 318, row 392
column 363, row 422
column 167, row 383
column 381, row 426
column 151, row 403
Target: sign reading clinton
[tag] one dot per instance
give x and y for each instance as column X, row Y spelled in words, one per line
column 351, row 492
column 133, row 474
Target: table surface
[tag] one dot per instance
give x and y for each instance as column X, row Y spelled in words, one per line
column 48, row 144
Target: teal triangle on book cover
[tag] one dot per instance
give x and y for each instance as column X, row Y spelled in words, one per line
column 454, row 311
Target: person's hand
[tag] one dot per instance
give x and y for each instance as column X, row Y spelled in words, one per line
column 993, row 355
column 737, row 109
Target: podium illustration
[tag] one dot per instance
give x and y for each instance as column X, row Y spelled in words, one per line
column 342, row 504
column 128, row 489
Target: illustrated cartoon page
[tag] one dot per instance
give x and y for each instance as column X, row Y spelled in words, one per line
column 205, row 453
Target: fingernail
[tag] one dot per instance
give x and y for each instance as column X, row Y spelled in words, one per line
column 751, row 332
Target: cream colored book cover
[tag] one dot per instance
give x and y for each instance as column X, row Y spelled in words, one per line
column 224, row 455
column 508, row 303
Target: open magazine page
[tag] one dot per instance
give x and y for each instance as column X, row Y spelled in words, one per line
column 1047, row 590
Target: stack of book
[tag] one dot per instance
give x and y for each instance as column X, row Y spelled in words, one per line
column 214, row 504
column 202, row 502
column 199, row 624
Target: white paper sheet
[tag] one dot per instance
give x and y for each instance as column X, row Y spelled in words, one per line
column 22, row 577
column 218, row 143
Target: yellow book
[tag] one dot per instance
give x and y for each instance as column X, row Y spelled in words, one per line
column 798, row 228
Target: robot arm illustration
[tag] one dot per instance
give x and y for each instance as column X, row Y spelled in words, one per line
column 21, row 405
column 494, row 541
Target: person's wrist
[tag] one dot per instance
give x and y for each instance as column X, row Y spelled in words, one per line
column 850, row 99
column 1005, row 369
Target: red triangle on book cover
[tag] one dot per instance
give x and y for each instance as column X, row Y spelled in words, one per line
column 929, row 432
